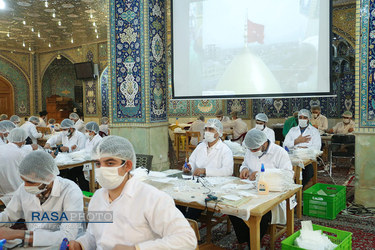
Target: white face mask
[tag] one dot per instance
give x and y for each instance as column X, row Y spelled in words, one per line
column 109, row 178
column 66, row 133
column 257, row 153
column 89, row 136
column 209, row 136
column 346, row 120
column 302, row 123
column 315, row 115
column 259, row 126
column 35, row 189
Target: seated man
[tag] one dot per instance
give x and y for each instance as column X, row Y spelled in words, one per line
column 103, row 128
column 42, row 191
column 239, row 127
column 304, row 136
column 30, row 128
column 197, row 126
column 93, row 137
column 11, row 155
column 78, row 123
column 261, row 150
column 5, row 127
column 346, row 126
column 143, row 217
column 16, row 120
column 318, row 120
column 261, row 120
column 212, row 157
column 225, row 120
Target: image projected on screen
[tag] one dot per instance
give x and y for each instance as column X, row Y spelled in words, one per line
column 250, row 48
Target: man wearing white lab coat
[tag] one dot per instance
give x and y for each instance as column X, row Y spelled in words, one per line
column 304, row 136
column 11, row 155
column 261, row 120
column 212, row 157
column 5, row 127
column 43, row 191
column 261, row 151
column 78, row 123
column 239, row 127
column 197, row 126
column 30, row 128
column 143, row 217
column 93, row 137
column 71, row 139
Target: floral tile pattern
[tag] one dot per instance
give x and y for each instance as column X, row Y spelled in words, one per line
column 104, row 92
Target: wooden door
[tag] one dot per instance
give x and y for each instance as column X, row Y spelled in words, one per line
column 6, row 98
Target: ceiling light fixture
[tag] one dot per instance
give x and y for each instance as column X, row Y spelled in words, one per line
column 59, row 23
column 24, row 22
column 96, row 30
column 38, row 34
column 58, row 57
column 94, row 24
column 23, row 44
column 32, row 29
column 97, row 36
column 71, row 40
column 8, row 34
column 46, row 4
column 2, row 4
column 53, row 14
column 29, row 48
column 49, row 45
column 91, row 16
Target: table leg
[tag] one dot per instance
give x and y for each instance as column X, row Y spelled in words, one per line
column 92, row 178
column 254, row 224
column 209, row 226
column 315, row 166
column 289, row 219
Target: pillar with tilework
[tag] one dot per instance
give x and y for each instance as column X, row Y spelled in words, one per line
column 365, row 104
column 138, row 78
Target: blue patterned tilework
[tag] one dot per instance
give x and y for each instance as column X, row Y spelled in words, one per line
column 104, row 92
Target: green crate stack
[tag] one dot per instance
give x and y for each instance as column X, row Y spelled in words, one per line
column 342, row 239
column 324, row 206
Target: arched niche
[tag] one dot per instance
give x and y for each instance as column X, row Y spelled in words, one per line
column 60, row 79
column 104, row 92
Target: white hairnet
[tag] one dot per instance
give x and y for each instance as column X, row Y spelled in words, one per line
column 115, row 146
column 34, row 119
column 92, row 126
column 254, row 139
column 15, row 118
column 6, row 126
column 74, row 116
column 305, row 112
column 261, row 117
column 3, row 117
column 39, row 167
column 347, row 114
column 67, row 123
column 216, row 124
column 17, row 135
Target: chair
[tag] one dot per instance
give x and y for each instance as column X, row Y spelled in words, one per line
column 195, row 227
column 44, row 130
column 240, row 138
column 342, row 147
column 144, row 161
column 188, row 146
column 102, row 134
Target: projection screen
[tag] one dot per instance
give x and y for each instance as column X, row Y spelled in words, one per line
column 250, row 48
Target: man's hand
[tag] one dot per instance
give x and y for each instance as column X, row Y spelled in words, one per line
column 34, row 146
column 47, row 146
column 74, row 245
column 186, row 169
column 253, row 176
column 122, row 247
column 11, row 234
column 350, row 130
column 64, row 149
column 199, row 171
column 74, row 147
column 315, row 126
column 244, row 173
column 302, row 139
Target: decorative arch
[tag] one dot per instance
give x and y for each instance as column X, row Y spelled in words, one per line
column 7, row 97
column 52, row 59
column 104, row 92
column 20, row 83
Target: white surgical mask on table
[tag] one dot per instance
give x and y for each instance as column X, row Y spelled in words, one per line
column 35, row 189
column 302, row 123
column 259, row 126
column 108, row 177
column 209, row 136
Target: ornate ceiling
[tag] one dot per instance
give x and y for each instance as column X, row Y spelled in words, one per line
column 37, row 25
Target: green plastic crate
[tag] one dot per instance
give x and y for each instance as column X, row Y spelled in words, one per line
column 327, row 205
column 88, row 194
column 342, row 239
